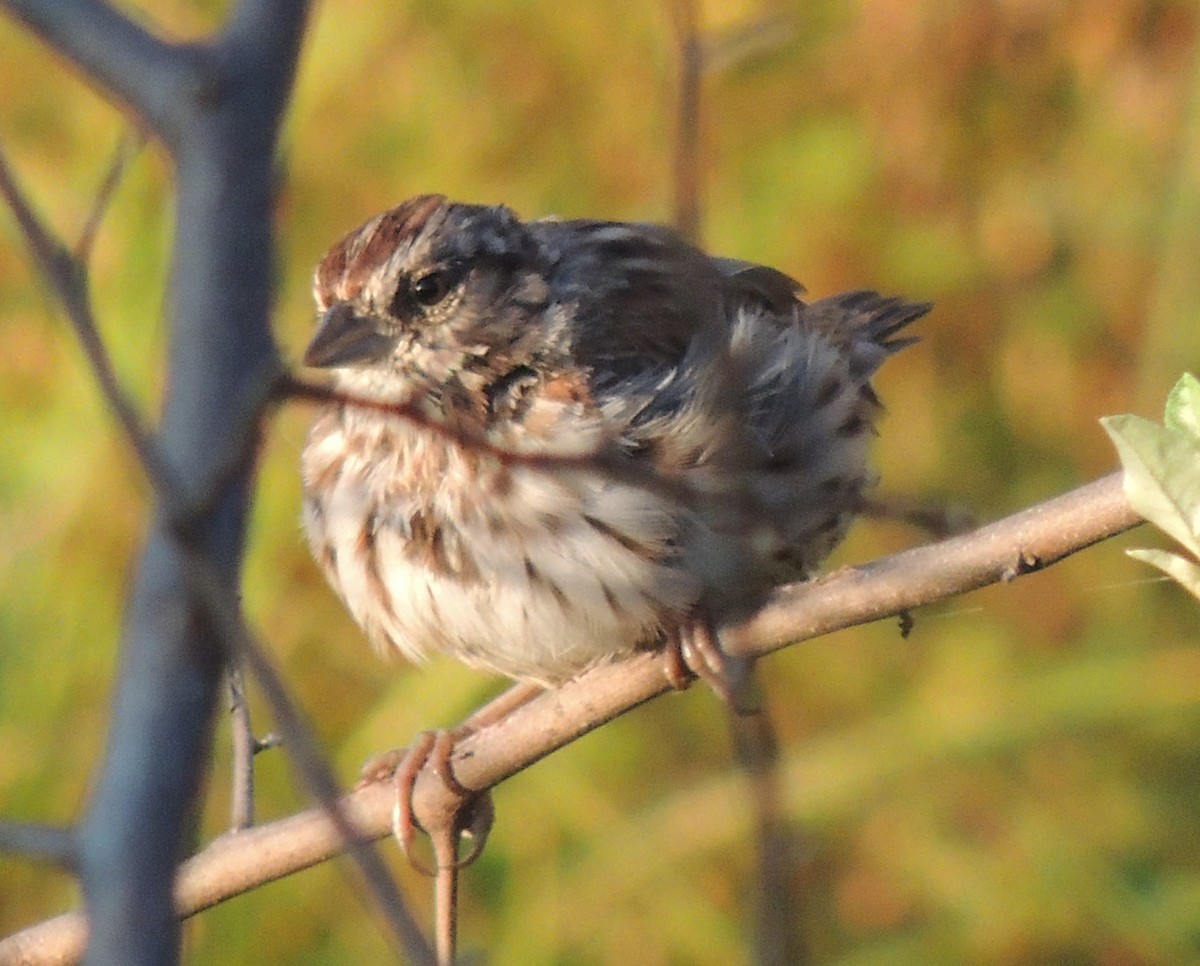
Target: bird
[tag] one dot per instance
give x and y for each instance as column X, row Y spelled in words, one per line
column 552, row 443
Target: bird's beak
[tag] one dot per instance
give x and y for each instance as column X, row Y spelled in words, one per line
column 344, row 337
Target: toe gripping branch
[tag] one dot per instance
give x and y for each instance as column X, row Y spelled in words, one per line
column 694, row 650
column 457, row 813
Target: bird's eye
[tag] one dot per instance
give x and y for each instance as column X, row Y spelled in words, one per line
column 431, row 288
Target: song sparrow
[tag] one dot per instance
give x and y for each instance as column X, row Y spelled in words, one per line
column 687, row 433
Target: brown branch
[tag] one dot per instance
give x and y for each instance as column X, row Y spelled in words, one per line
column 609, row 462
column 305, row 754
column 1019, row 544
column 699, row 55
column 756, row 751
column 1001, row 551
column 245, row 747
column 689, row 49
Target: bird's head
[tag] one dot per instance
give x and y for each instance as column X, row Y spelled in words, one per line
column 427, row 291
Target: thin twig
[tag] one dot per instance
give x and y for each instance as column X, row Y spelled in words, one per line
column 67, row 276
column 938, row 520
column 118, row 54
column 756, row 750
column 689, row 51
column 218, row 107
column 744, row 42
column 592, row 460
column 128, row 145
column 607, row 462
column 445, row 898
column 245, row 746
column 310, row 764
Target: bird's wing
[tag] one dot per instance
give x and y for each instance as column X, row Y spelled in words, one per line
column 636, row 294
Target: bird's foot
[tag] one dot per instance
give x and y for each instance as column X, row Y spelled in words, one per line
column 693, row 651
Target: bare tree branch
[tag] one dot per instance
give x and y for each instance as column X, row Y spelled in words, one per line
column 305, row 754
column 127, row 146
column 756, row 750
column 149, row 75
column 754, row 733
column 67, row 275
column 218, row 108
column 1019, row 544
column 241, row 803
column 46, row 843
column 1016, row 545
column 598, row 459
column 699, row 55
column 689, row 49
column 743, row 42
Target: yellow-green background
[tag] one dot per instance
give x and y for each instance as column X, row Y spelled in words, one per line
column 1017, row 782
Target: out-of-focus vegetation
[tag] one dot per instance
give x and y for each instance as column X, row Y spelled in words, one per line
column 1017, row 782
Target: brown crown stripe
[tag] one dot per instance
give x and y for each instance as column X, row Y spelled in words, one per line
column 352, row 259
column 395, row 227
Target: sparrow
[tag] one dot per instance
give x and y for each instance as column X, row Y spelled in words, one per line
column 552, row 443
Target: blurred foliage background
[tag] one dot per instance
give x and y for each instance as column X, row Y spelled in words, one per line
column 1017, row 782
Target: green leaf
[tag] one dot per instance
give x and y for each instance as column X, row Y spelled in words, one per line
column 1162, row 475
column 1178, row 568
column 1183, row 407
